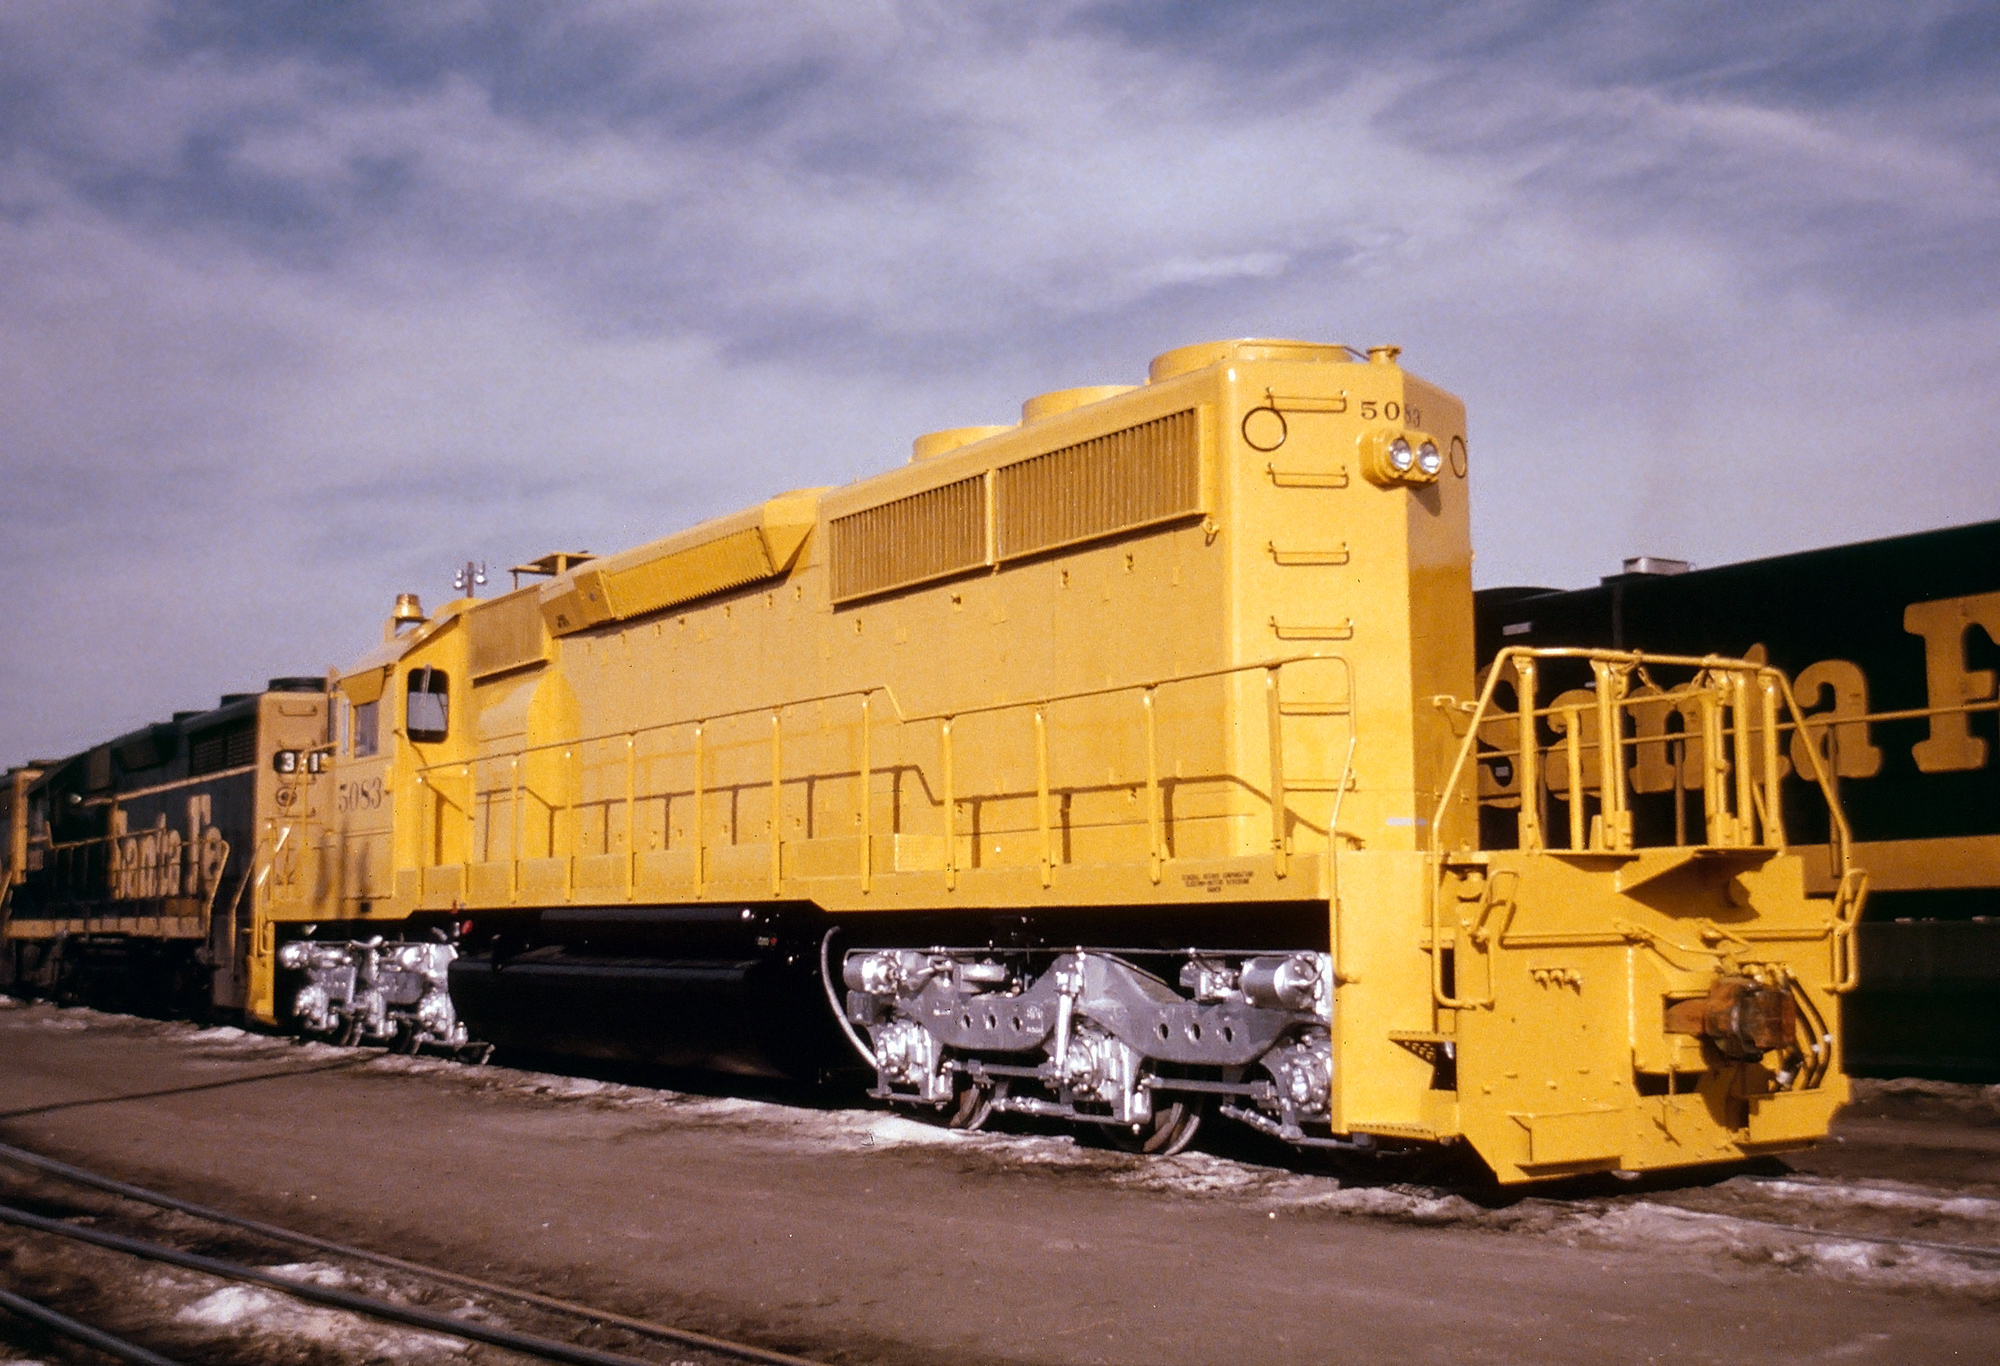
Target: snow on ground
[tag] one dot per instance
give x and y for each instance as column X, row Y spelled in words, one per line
column 1897, row 1197
column 1907, row 1266
column 1280, row 1191
column 251, row 1314
column 71, row 1020
column 260, row 1323
column 1728, row 1220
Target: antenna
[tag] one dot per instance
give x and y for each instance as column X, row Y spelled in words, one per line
column 470, row 579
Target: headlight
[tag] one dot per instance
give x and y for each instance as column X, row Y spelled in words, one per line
column 1391, row 458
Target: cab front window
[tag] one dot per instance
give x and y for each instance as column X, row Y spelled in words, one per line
column 427, row 717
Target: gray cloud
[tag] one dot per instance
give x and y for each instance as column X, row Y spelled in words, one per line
column 304, row 304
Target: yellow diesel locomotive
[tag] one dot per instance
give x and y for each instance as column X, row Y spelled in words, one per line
column 1124, row 766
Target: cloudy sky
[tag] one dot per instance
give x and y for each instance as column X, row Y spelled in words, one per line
column 303, row 303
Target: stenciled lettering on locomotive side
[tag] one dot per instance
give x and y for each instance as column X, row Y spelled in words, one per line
column 1945, row 626
column 157, row 861
column 1834, row 697
column 1214, row 883
column 364, row 794
column 1842, row 730
column 1833, row 693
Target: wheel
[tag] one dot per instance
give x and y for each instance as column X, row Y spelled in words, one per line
column 975, row 1105
column 1171, row 1129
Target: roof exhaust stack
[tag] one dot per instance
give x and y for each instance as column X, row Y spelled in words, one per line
column 1656, row 565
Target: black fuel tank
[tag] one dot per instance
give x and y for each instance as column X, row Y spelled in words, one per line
column 705, row 987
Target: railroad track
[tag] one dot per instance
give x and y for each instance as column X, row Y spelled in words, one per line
column 529, row 1345
column 1831, row 1200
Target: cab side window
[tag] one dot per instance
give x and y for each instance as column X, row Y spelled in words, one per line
column 366, row 730
column 428, row 715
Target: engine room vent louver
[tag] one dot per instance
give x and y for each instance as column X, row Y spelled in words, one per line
column 1134, row 477
column 924, row 536
column 505, row 634
column 231, row 746
column 1124, row 479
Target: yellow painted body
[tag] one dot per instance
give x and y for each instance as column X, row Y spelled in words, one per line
column 1135, row 651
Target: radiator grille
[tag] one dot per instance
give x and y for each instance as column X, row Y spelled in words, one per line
column 924, row 536
column 1111, row 483
column 230, row 746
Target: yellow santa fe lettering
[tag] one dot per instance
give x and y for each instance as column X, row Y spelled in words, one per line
column 1943, row 625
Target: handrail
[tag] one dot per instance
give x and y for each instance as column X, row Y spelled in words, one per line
column 188, row 856
column 1146, row 688
column 213, row 885
column 242, row 884
column 272, row 861
column 1809, row 723
column 1334, row 905
column 1768, row 676
column 116, row 797
column 1848, row 899
column 902, row 717
column 1609, row 670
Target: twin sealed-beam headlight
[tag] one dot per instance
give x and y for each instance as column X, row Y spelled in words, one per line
column 1389, row 457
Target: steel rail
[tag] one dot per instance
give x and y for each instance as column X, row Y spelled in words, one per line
column 525, row 1343
column 685, row 1337
column 78, row 1331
